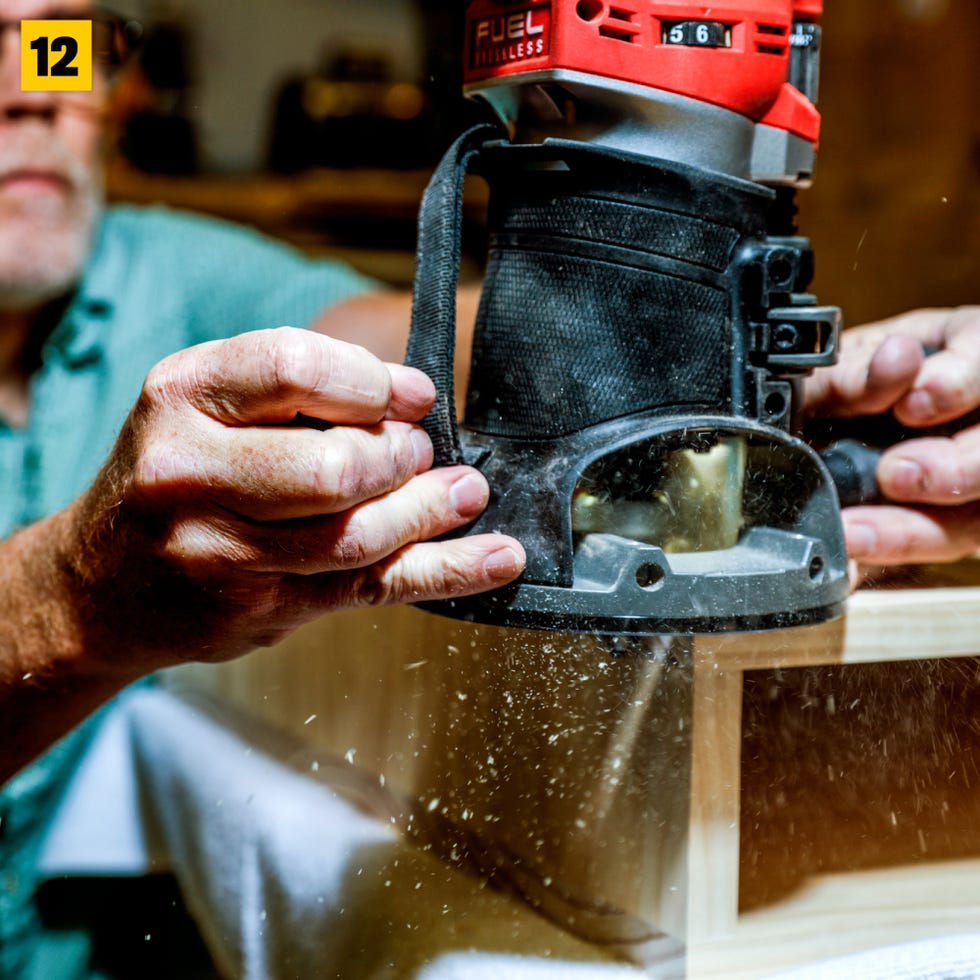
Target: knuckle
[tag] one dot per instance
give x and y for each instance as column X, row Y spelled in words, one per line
column 177, row 378
column 337, row 476
column 454, row 577
column 949, row 477
column 159, row 384
column 443, row 571
column 958, row 382
column 184, row 547
column 934, row 534
column 904, row 544
column 433, row 516
column 963, row 318
column 328, row 474
column 956, row 480
column 429, row 573
column 348, row 470
column 370, row 587
column 354, row 548
column 159, row 375
column 426, row 514
column 265, row 597
column 155, row 468
column 398, row 447
column 290, row 364
column 197, row 546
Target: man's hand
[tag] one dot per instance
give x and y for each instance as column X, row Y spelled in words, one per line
column 258, row 483
column 225, row 517
column 934, row 483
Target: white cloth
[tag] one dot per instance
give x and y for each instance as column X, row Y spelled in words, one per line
column 288, row 880
column 944, row 958
column 285, row 878
column 98, row 829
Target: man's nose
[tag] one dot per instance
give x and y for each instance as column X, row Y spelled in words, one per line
column 30, row 105
column 15, row 104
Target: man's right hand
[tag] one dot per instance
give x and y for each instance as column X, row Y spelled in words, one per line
column 220, row 524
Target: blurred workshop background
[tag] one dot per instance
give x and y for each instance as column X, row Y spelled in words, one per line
column 318, row 121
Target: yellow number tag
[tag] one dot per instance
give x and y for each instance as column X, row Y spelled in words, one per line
column 56, row 55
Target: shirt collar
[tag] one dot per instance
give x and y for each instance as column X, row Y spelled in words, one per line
column 80, row 335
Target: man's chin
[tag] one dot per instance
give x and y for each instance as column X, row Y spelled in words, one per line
column 41, row 260
column 26, row 285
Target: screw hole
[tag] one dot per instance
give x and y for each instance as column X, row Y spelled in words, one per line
column 589, row 9
column 649, row 576
column 786, row 336
column 775, row 405
column 781, row 272
column 816, row 568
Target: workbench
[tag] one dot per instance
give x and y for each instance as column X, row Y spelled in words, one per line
column 725, row 806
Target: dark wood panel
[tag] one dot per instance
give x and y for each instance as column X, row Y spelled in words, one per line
column 894, row 214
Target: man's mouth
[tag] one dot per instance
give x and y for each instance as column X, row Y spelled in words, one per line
column 34, row 181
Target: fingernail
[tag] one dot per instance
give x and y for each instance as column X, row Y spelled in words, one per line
column 861, row 540
column 902, row 476
column 468, row 495
column 422, row 445
column 920, row 405
column 503, row 564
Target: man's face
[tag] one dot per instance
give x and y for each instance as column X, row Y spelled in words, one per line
column 50, row 175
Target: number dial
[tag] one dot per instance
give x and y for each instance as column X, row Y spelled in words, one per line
column 697, row 34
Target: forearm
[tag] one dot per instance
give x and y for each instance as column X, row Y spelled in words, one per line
column 49, row 680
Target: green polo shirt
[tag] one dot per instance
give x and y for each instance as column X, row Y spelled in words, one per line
column 157, row 281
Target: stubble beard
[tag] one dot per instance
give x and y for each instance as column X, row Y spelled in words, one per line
column 45, row 239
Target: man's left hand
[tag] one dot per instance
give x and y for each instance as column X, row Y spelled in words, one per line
column 932, row 484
